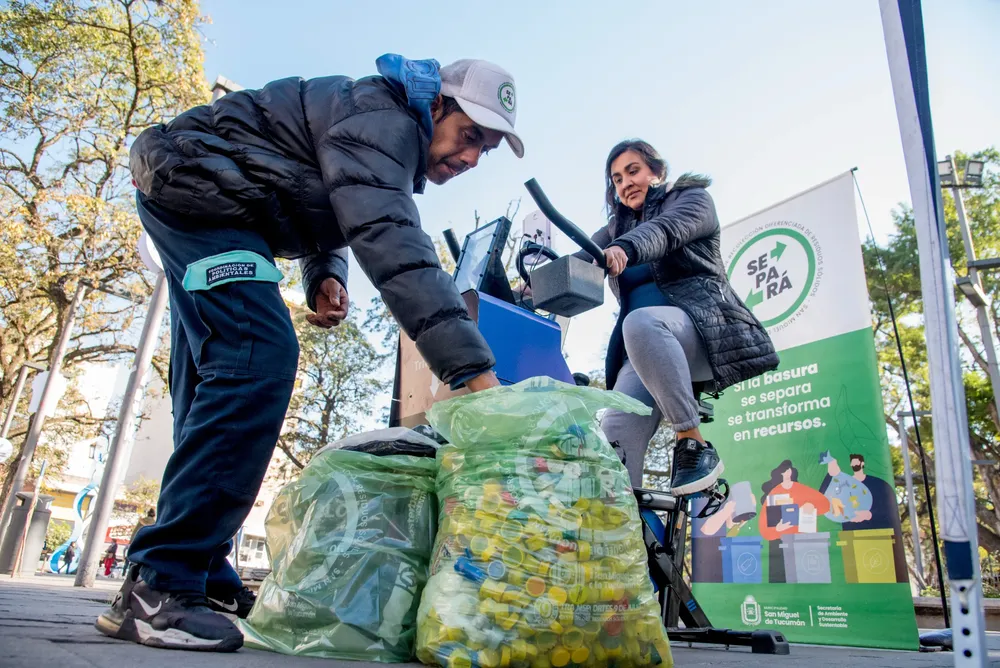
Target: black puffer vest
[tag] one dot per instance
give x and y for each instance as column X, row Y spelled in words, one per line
column 679, row 235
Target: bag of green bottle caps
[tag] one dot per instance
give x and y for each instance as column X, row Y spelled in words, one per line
column 539, row 560
column 349, row 543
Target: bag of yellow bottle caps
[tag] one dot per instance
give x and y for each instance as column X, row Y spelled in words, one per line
column 539, row 560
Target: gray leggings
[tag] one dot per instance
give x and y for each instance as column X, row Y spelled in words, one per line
column 665, row 353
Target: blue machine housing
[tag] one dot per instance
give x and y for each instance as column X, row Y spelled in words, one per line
column 525, row 344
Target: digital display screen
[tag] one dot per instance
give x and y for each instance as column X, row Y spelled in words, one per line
column 475, row 254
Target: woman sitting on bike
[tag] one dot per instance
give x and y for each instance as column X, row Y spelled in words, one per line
column 680, row 320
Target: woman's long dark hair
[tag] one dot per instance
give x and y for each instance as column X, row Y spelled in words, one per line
column 649, row 154
column 776, row 476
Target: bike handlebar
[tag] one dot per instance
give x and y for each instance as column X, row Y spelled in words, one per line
column 452, row 241
column 564, row 224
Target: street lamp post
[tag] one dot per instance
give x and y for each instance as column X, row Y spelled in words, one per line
column 971, row 285
column 104, row 504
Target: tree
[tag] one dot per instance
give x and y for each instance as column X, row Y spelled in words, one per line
column 335, row 389
column 78, row 79
column 901, row 281
column 136, row 500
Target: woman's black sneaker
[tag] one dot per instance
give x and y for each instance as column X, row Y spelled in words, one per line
column 171, row 620
column 696, row 467
column 233, row 605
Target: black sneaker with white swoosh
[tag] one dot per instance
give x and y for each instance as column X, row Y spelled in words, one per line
column 171, row 620
column 237, row 604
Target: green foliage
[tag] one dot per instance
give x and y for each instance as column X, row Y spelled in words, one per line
column 57, row 534
column 136, row 499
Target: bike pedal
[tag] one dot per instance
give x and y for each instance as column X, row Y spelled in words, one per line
column 715, row 496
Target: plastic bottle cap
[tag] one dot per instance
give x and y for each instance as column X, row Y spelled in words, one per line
column 459, row 659
column 558, row 594
column 479, row 543
column 580, row 655
column 496, row 570
column 573, row 638
column 513, row 557
column 535, row 586
column 511, row 531
column 490, row 658
column 560, row 657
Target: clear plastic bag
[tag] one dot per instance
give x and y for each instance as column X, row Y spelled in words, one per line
column 539, row 560
column 349, row 543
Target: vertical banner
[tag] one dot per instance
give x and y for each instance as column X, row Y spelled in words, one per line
column 810, row 542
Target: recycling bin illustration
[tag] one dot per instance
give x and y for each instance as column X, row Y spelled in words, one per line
column 741, row 560
column 807, row 558
column 868, row 556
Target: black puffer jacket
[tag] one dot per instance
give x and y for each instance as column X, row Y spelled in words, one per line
column 679, row 236
column 316, row 166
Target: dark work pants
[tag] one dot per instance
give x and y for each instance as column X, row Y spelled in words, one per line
column 233, row 357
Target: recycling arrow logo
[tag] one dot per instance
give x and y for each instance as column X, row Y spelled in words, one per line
column 774, row 271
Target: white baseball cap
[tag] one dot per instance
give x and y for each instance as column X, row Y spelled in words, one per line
column 486, row 94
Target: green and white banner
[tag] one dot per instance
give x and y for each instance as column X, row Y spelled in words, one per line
column 809, row 543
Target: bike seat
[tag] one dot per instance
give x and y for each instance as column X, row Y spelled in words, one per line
column 700, row 387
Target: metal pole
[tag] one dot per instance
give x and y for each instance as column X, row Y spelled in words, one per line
column 22, row 378
column 982, row 315
column 902, row 24
column 87, row 570
column 918, row 559
column 55, row 366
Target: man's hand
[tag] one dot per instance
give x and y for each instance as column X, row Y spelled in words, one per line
column 483, row 381
column 332, row 303
column 783, row 526
column 862, row 516
column 616, row 258
column 833, row 468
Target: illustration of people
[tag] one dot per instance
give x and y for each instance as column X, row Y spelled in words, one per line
column 850, row 498
column 790, row 507
column 707, row 533
column 875, row 508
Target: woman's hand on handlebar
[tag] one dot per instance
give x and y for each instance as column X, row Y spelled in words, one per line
column 617, row 260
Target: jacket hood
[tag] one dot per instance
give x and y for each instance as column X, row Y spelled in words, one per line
column 418, row 80
column 683, row 182
column 690, row 180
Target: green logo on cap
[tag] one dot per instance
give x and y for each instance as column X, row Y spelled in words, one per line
column 506, row 95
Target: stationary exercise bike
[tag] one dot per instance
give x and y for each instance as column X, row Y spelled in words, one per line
column 666, row 537
column 525, row 333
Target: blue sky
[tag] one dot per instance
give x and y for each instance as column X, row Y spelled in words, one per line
column 769, row 97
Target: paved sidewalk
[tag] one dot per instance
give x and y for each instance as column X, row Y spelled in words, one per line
column 45, row 621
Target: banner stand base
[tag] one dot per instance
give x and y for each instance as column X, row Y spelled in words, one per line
column 759, row 642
